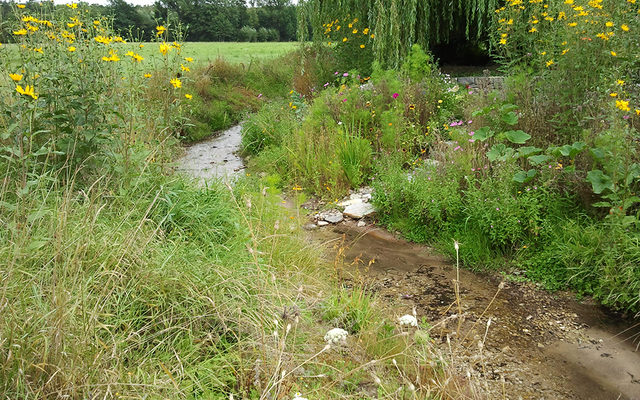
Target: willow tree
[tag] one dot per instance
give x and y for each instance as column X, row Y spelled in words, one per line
column 399, row 24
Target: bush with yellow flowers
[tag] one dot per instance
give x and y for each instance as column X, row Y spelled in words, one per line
column 74, row 91
column 582, row 52
column 352, row 43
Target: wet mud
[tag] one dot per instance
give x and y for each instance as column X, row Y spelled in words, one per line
column 537, row 345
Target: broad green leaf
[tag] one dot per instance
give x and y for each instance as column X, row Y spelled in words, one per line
column 523, row 177
column 508, row 108
column 597, row 153
column 499, row 152
column 599, row 181
column 518, row 137
column 633, row 174
column 483, row 134
column 604, row 204
column 539, row 159
column 510, row 118
column 527, row 151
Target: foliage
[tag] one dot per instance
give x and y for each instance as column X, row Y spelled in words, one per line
column 396, row 26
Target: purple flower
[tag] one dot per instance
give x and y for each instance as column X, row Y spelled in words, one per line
column 457, row 148
column 326, row 84
column 344, row 100
column 470, row 121
column 395, row 95
column 497, row 208
column 626, row 117
column 260, row 95
column 470, row 91
column 345, row 74
column 473, row 169
column 335, row 73
column 472, row 133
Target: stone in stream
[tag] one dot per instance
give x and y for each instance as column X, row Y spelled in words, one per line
column 332, row 216
column 359, row 210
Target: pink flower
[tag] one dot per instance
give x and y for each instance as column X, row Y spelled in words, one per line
column 471, row 140
column 335, row 73
column 470, row 121
column 470, row 91
column 457, row 148
column 345, row 74
column 344, row 100
column 326, row 84
column 395, row 95
column 472, row 133
column 260, row 95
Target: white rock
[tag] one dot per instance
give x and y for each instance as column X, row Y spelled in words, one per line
column 333, row 216
column 361, row 224
column 357, row 211
column 323, row 223
column 350, row 202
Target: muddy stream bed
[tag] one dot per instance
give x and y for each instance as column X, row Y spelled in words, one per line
column 539, row 344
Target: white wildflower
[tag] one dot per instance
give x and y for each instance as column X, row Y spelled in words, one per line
column 409, row 320
column 298, row 396
column 336, row 336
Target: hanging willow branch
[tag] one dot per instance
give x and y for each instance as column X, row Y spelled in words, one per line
column 398, row 24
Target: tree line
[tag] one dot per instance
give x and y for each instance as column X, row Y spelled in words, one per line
column 201, row 20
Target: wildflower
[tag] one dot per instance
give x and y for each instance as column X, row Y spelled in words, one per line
column 354, row 31
column 164, row 48
column 613, row 53
column 147, row 75
column 298, row 396
column 15, row 77
column 362, row 46
column 623, row 105
column 609, row 24
column 613, row 94
column 27, row 91
column 20, row 32
column 73, row 6
column 188, row 59
column 185, row 69
column 624, row 27
column 176, row 83
column 409, row 320
column 160, row 29
column 188, row 96
column 620, row 82
column 549, row 63
column 344, row 39
column 20, row 5
column 365, row 31
column 71, row 49
column 336, row 336
column 412, row 106
column 38, row 50
column 395, row 95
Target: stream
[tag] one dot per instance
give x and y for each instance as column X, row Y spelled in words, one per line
column 539, row 344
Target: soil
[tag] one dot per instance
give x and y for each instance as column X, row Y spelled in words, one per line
column 534, row 344
column 539, row 345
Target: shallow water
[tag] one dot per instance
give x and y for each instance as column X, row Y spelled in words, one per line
column 216, row 157
column 544, row 345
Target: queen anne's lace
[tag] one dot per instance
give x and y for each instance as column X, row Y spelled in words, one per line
column 409, row 320
column 336, row 336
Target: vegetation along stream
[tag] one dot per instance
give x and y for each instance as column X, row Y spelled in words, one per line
column 535, row 344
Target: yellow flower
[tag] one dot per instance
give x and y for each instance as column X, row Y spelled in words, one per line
column 613, row 53
column 164, row 48
column 623, row 105
column 189, row 59
column 372, row 36
column 637, row 111
column 176, row 83
column 362, row 46
column 620, row 82
column 188, row 96
column 624, row 27
column 354, row 31
column 71, row 49
column 609, row 24
column 572, row 24
column 532, row 30
column 20, row 5
column 20, row 32
column 27, row 91
column 503, row 41
column 96, row 22
column 543, row 53
column 160, row 30
column 72, row 6
column 365, row 31
column 147, row 75
column 15, row 77
column 185, row 69
column 344, row 39
column 613, row 94
column 549, row 63
column 38, row 50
